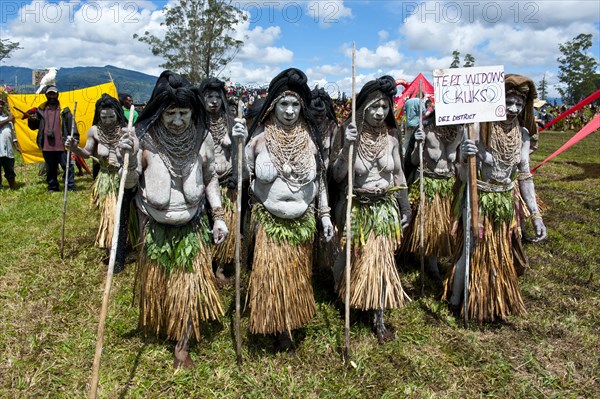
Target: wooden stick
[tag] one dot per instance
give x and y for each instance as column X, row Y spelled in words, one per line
column 473, row 188
column 66, row 182
column 111, row 266
column 421, row 197
column 467, row 248
column 349, row 214
column 238, row 242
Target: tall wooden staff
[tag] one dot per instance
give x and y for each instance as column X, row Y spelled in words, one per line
column 64, row 212
column 471, row 220
column 421, row 196
column 238, row 240
column 349, row 210
column 111, row 266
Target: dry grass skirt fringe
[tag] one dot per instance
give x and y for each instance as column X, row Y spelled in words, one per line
column 104, row 195
column 373, row 268
column 169, row 302
column 107, row 206
column 437, row 228
column 280, row 292
column 493, row 286
column 224, row 253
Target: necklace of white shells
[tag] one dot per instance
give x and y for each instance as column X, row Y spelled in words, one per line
column 290, row 152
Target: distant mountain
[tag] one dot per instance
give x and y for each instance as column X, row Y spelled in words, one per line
column 138, row 84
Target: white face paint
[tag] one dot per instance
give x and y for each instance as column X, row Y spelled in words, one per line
column 375, row 113
column 514, row 106
column 287, row 110
column 176, row 119
column 212, row 101
column 108, row 117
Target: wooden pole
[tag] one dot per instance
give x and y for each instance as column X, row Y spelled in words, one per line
column 64, row 212
column 111, row 266
column 421, row 197
column 238, row 242
column 349, row 213
column 473, row 188
column 467, row 243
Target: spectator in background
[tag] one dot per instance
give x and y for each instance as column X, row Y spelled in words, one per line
column 126, row 102
column 414, row 109
column 8, row 139
column 53, row 124
column 429, row 108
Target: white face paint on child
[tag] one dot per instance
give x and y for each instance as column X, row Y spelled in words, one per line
column 176, row 119
column 287, row 110
column 376, row 113
column 108, row 117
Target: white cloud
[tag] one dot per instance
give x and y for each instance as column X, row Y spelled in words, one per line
column 320, row 71
column 383, row 34
column 328, row 12
column 95, row 34
column 519, row 41
column 385, row 55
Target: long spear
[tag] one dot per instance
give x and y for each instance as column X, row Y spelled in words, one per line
column 238, row 241
column 64, row 212
column 111, row 266
column 349, row 211
column 421, row 196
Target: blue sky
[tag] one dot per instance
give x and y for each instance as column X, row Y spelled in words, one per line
column 392, row 37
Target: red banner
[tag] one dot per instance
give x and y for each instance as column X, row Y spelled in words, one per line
column 587, row 130
column 577, row 107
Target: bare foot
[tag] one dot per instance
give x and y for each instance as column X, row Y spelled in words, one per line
column 222, row 281
column 182, row 359
column 383, row 332
column 285, row 343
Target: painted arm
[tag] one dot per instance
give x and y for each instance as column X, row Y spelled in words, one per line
column 419, row 136
column 213, row 190
column 130, row 142
column 527, row 188
column 324, row 211
column 400, row 181
column 240, row 132
column 90, row 145
column 340, row 165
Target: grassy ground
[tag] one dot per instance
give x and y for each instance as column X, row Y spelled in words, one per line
column 49, row 312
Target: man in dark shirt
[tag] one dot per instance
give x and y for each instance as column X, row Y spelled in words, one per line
column 53, row 124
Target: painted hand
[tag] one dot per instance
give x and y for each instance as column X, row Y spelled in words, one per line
column 71, row 142
column 540, row 230
column 219, row 231
column 467, row 148
column 405, row 220
column 327, row 228
column 351, row 133
column 419, row 135
column 128, row 142
column 239, row 131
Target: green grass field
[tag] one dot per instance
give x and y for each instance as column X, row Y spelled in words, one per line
column 49, row 311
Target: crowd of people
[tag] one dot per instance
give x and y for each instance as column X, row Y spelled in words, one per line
column 298, row 148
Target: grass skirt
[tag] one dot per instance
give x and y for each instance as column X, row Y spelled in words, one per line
column 493, row 285
column 170, row 299
column 104, row 195
column 224, row 253
column 374, row 279
column 437, row 226
column 280, row 291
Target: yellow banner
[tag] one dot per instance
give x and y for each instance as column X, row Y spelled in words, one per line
column 86, row 103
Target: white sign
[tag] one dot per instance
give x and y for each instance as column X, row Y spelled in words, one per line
column 469, row 95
